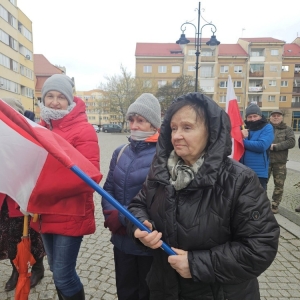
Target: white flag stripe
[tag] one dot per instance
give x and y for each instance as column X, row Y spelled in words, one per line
column 230, row 95
column 24, row 155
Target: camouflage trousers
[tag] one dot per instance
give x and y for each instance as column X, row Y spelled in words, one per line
column 278, row 170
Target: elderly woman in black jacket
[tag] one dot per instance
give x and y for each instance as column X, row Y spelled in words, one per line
column 208, row 207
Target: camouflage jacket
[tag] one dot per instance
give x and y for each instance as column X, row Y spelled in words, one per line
column 284, row 139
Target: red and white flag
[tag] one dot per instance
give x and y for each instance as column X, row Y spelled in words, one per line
column 236, row 120
column 35, row 164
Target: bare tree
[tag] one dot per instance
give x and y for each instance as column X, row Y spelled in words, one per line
column 169, row 92
column 120, row 91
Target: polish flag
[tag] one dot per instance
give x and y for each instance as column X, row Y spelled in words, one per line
column 35, row 164
column 236, row 120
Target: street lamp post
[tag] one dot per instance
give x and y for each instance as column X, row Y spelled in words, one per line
column 213, row 42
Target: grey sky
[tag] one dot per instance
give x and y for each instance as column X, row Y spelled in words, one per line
column 92, row 38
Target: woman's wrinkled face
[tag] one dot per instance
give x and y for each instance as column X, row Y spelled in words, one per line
column 138, row 122
column 56, row 100
column 189, row 135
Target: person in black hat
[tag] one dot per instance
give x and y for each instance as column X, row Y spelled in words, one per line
column 258, row 137
column 284, row 139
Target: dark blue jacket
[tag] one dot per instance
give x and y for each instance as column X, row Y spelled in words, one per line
column 124, row 181
column 257, row 146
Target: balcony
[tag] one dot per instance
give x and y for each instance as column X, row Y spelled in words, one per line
column 207, row 58
column 259, row 104
column 207, row 89
column 256, row 73
column 297, row 74
column 257, row 58
column 255, row 89
column 296, row 90
column 295, row 104
column 207, row 75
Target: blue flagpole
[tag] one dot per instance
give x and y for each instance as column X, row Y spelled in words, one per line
column 117, row 205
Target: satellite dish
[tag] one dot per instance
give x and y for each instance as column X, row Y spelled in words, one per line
column 27, row 56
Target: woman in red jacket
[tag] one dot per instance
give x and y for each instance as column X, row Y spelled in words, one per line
column 11, row 229
column 62, row 234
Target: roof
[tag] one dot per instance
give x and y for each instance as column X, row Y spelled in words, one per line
column 291, row 50
column 262, row 40
column 42, row 67
column 231, row 50
column 158, row 49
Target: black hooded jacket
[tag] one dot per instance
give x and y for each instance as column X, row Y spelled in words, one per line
column 222, row 218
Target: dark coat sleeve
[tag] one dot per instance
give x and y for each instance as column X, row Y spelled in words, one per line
column 254, row 243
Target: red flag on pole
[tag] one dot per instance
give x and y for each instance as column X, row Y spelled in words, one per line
column 34, row 163
column 236, row 120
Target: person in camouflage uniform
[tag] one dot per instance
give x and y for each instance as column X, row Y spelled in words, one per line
column 284, row 139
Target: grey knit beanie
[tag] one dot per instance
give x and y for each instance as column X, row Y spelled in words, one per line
column 253, row 109
column 60, row 83
column 148, row 107
column 15, row 104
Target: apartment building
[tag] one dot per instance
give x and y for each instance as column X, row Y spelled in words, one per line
column 16, row 54
column 97, row 109
column 263, row 70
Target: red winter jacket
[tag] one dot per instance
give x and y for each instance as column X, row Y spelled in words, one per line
column 74, row 128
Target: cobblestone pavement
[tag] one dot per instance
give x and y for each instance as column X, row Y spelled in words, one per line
column 96, row 267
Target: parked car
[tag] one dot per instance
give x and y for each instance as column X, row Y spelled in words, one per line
column 111, row 128
column 96, row 127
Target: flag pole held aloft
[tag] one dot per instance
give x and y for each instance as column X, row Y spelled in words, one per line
column 117, row 205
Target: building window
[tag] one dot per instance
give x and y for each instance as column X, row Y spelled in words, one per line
column 191, row 68
column 3, row 13
column 271, row 98
column 147, row 84
column 147, row 69
column 238, row 69
column 207, row 71
column 224, row 69
column 223, row 84
column 161, row 83
column 14, row 66
column 274, row 52
column 237, row 84
column 4, row 37
column 4, row 61
column 23, row 50
column 162, row 69
column 238, row 99
column 284, row 83
column 13, row 43
column 24, row 31
column 273, row 68
column 272, row 82
column 282, row 99
column 296, row 99
column 297, row 68
column 222, row 99
column 9, row 85
column 175, row 69
column 257, row 52
column 192, row 52
column 285, row 68
column 207, row 52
